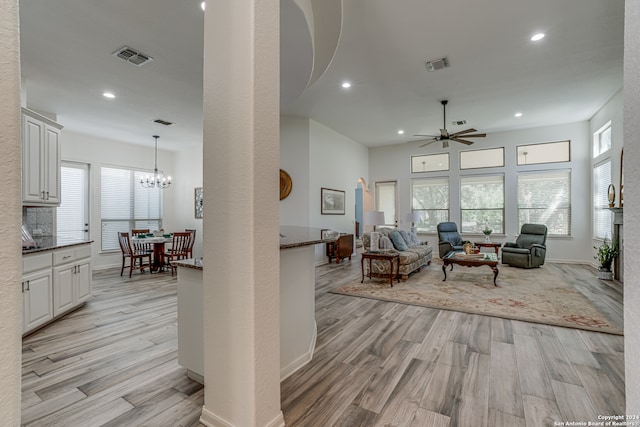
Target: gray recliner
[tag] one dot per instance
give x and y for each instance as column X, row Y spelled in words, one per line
column 448, row 238
column 529, row 250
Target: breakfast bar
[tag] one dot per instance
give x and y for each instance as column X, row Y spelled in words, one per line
column 297, row 303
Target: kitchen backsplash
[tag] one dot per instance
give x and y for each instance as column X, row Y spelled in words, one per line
column 39, row 221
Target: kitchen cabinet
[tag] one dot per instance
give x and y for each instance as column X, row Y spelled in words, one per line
column 40, row 160
column 71, row 278
column 37, row 289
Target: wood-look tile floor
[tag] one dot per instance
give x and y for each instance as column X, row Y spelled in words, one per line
column 114, row 363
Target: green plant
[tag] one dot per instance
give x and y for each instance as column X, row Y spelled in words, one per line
column 487, row 231
column 606, row 253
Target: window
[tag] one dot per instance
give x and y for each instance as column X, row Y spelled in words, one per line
column 72, row 216
column 488, row 158
column 601, row 213
column 545, row 198
column 430, row 163
column 430, row 197
column 602, row 140
column 386, row 200
column 482, row 203
column 126, row 204
column 544, row 152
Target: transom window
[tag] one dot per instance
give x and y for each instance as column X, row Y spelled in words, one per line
column 430, row 198
column 545, row 198
column 482, row 203
column 602, row 140
column 430, row 163
column 486, row 158
column 544, row 152
column 126, row 205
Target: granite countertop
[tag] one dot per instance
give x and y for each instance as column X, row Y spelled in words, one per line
column 193, row 263
column 48, row 243
column 296, row 236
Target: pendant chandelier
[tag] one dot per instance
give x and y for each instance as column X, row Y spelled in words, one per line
column 157, row 180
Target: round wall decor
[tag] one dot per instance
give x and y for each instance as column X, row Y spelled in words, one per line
column 285, row 184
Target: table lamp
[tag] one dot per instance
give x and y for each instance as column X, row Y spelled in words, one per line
column 374, row 218
column 413, row 217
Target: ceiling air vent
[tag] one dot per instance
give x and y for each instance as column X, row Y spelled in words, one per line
column 162, row 122
column 132, row 56
column 437, row 64
column 459, row 122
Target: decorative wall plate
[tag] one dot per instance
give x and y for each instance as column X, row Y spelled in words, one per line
column 285, row 184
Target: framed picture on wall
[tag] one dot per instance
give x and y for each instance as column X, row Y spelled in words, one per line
column 198, row 202
column 331, row 202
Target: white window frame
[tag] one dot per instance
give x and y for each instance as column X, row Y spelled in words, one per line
column 597, row 138
column 429, row 213
column 498, row 227
column 560, row 203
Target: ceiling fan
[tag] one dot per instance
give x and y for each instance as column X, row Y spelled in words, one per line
column 445, row 137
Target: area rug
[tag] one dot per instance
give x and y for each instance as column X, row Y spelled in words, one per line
column 539, row 295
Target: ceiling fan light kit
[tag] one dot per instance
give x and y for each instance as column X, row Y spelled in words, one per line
column 445, row 137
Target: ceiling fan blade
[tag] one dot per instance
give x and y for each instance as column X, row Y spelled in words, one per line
column 462, row 140
column 462, row 132
column 475, row 135
column 430, row 136
column 426, row 142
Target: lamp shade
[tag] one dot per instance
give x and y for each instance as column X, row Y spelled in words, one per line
column 374, row 218
column 413, row 217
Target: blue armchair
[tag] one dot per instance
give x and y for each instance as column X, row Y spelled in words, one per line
column 448, row 238
column 530, row 248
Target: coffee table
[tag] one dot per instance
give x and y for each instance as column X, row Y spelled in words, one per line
column 471, row 260
column 495, row 246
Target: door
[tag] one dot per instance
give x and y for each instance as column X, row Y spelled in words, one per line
column 83, row 281
column 72, row 216
column 63, row 278
column 51, row 160
column 32, row 131
column 386, row 196
column 37, row 299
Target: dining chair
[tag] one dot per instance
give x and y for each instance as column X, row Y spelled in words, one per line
column 136, row 258
column 142, row 247
column 192, row 240
column 179, row 249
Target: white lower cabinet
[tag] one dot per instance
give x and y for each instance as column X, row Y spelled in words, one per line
column 55, row 282
column 37, row 295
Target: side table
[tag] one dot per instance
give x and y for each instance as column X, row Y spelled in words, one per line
column 495, row 246
column 391, row 257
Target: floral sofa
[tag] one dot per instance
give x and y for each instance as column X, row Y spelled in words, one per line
column 413, row 254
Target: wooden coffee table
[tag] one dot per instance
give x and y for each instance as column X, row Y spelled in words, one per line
column 473, row 260
column 391, row 257
column 495, row 246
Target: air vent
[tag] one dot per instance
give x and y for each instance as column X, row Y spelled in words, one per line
column 437, row 64
column 459, row 122
column 162, row 122
column 132, row 56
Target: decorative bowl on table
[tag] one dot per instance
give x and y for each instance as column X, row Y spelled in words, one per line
column 141, row 236
column 166, row 235
column 149, row 234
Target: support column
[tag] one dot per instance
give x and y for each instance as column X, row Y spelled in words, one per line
column 11, row 218
column 241, row 226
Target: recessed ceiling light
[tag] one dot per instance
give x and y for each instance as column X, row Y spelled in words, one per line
column 346, row 85
column 202, row 5
column 537, row 37
column 517, row 115
column 400, row 132
column 108, row 95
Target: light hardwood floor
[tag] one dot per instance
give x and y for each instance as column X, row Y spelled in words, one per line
column 114, row 363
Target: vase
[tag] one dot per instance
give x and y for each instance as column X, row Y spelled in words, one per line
column 374, row 245
column 487, row 238
column 605, row 274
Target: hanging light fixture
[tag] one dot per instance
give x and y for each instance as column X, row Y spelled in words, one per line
column 157, row 180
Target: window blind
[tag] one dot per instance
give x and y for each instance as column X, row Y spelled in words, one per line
column 602, row 216
column 545, row 198
column 482, row 203
column 72, row 215
column 386, row 200
column 430, row 197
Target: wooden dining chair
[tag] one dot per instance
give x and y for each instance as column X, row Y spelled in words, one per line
column 192, row 240
column 179, row 249
column 136, row 258
column 142, row 247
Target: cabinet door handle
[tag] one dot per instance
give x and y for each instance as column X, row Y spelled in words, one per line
column 42, row 195
column 28, row 285
column 66, row 257
column 47, row 195
column 23, row 287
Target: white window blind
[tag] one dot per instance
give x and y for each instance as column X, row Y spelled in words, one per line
column 126, row 205
column 482, row 203
column 545, row 198
column 386, row 200
column 72, row 216
column 430, row 197
column 602, row 214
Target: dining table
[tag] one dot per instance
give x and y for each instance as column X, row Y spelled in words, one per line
column 158, row 248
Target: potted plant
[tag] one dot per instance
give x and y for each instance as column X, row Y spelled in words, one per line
column 605, row 255
column 487, row 234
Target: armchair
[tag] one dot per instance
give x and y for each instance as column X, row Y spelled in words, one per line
column 448, row 238
column 529, row 250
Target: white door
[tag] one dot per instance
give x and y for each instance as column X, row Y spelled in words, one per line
column 37, row 299
column 72, row 217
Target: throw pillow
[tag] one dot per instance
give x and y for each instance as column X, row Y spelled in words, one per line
column 398, row 241
column 406, row 237
column 415, row 239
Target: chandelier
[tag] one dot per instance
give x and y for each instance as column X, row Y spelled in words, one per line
column 157, row 180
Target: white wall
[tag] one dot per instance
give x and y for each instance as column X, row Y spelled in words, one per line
column 393, row 163
column 98, row 152
column 294, row 159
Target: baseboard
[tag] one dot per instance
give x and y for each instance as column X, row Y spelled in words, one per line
column 291, row 368
column 210, row 419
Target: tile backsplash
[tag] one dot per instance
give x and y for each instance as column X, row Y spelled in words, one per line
column 39, row 219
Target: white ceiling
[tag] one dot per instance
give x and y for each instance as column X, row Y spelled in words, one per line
column 495, row 70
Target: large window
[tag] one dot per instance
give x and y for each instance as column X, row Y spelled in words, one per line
column 545, row 198
column 386, row 201
column 482, row 203
column 126, row 204
column 602, row 214
column 72, row 216
column 430, row 198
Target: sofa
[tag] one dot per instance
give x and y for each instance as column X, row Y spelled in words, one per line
column 413, row 254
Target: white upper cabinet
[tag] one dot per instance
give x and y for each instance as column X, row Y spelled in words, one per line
column 40, row 160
